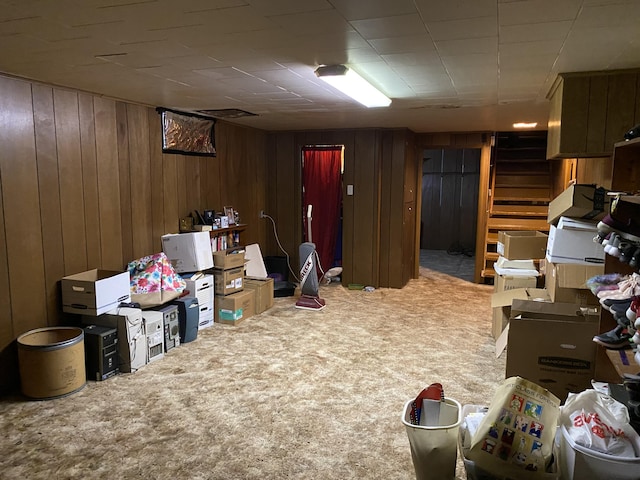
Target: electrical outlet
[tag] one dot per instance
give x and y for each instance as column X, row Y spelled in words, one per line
column 262, row 214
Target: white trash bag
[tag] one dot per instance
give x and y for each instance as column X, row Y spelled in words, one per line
column 601, row 423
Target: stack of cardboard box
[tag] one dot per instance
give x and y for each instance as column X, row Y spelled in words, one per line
column 233, row 303
column 516, row 273
column 549, row 332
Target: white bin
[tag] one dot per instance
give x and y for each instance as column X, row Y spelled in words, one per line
column 578, row 462
column 434, row 448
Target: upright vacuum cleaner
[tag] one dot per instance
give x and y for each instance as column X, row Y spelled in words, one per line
column 309, row 298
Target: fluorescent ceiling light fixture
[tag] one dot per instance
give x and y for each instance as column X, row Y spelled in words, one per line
column 353, row 85
column 525, row 125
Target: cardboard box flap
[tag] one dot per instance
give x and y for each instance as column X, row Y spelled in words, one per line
column 504, row 299
column 553, row 311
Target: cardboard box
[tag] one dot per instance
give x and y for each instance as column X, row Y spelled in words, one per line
column 510, row 282
column 551, row 344
column 623, row 361
column 234, row 308
column 572, row 242
column 522, row 245
column 226, row 259
column 95, row 292
column 201, row 287
column 188, row 252
column 263, row 292
column 501, row 306
column 579, row 201
column 228, row 281
column 566, row 282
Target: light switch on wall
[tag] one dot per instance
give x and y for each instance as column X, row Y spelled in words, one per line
column 349, row 189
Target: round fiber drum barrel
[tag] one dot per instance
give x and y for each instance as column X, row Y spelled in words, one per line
column 51, row 362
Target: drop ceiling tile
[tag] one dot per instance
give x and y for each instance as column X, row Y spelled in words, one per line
column 471, row 62
column 325, row 22
column 541, row 47
column 609, row 16
column 268, row 39
column 443, row 10
column 401, row 60
column 373, row 8
column 386, row 27
column 230, row 20
column 535, row 32
column 420, row 74
column 256, row 65
column 538, row 11
column 403, row 44
column 220, row 73
column 459, row 29
column 132, row 60
column 285, row 7
column 521, row 77
column 465, row 46
column 531, row 61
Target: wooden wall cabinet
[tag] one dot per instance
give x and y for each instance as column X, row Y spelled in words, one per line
column 591, row 111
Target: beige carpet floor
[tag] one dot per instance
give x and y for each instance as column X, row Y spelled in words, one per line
column 286, row 394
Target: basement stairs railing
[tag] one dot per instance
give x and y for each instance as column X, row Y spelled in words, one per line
column 520, row 189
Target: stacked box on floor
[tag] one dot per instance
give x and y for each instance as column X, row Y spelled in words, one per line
column 233, row 303
column 202, row 289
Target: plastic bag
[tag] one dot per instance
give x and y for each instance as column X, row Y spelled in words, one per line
column 515, row 438
column 154, row 281
column 599, row 422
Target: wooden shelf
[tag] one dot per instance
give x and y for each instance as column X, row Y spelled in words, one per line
column 226, row 238
column 234, row 228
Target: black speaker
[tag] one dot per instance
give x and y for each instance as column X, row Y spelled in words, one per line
column 188, row 316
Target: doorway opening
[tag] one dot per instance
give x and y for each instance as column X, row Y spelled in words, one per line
column 450, row 180
column 322, row 170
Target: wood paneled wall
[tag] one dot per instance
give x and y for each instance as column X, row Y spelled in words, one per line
column 375, row 224
column 84, row 184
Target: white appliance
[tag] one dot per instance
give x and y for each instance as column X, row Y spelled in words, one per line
column 154, row 328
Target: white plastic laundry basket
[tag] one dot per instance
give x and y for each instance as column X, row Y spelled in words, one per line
column 434, row 448
column 578, row 462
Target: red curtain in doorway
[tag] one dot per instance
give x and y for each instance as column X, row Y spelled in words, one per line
column 322, row 188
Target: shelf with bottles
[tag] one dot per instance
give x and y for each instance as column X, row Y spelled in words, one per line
column 226, row 238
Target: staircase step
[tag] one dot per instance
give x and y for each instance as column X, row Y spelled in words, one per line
column 493, row 256
column 514, row 223
column 520, row 210
column 488, row 273
column 516, row 180
column 522, row 194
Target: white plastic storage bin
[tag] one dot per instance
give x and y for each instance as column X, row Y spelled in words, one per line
column 578, row 462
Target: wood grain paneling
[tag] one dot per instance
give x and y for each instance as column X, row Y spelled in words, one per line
column 49, row 190
column 21, row 206
column 375, row 164
column 111, row 210
column 90, row 180
column 366, row 228
column 141, row 199
column 67, row 123
column 158, row 217
column 84, row 184
column 124, row 181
